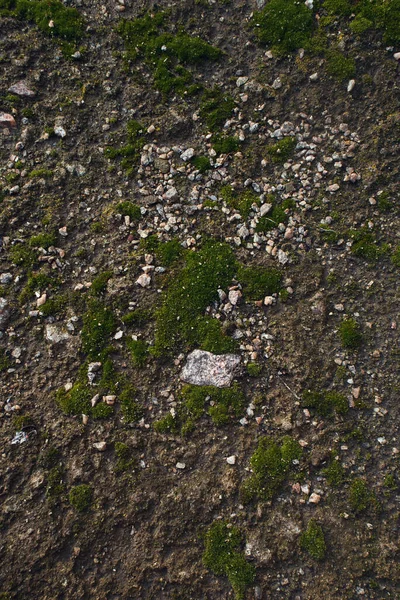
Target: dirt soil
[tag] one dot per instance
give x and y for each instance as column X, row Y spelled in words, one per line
column 143, row 534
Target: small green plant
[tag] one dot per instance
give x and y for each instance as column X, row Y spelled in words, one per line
column 271, row 463
column 339, row 66
column 167, row 424
column 258, row 282
column 130, row 408
column 124, row 462
column 37, row 173
column 55, row 306
column 98, row 324
column 22, row 255
column 81, row 497
column 271, row 220
column 139, row 317
column 55, row 485
column 243, row 202
column 208, row 334
column 99, row 283
column 4, row 360
column 325, row 403
column 350, row 334
column 189, row 294
column 360, row 496
column 284, row 25
column 396, row 257
column 130, row 210
column 222, row 557
column 169, row 252
column 37, row 282
column 139, row 351
column 102, row 411
column 201, row 163
column 225, row 144
column 76, row 401
column 130, row 156
column 364, row 245
column 334, row 473
column 42, row 240
column 216, row 108
column 254, row 369
column 282, row 150
column 312, row 540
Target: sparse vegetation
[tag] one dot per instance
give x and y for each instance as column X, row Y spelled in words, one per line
column 282, row 150
column 258, row 282
column 350, row 334
column 313, row 540
column 223, row 557
column 324, row 403
column 80, row 497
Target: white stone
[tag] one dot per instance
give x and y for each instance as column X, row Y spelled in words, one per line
column 314, row 77
column 231, row 460
column 234, row 296
column 144, row 280
column 314, row 498
column 187, row 154
column 241, row 81
column 55, row 334
column 60, row 131
column 396, row 55
column 265, row 208
column 100, row 446
column 180, row 465
column 351, row 85
column 205, row 368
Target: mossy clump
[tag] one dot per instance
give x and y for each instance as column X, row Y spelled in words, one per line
column 55, row 487
column 67, row 23
column 102, row 411
column 271, row 220
column 325, row 403
column 55, row 306
column 271, row 463
column 216, row 108
column 221, row 404
column 130, row 408
column 284, row 25
column 130, row 210
column 282, row 150
column 123, row 454
column 167, row 55
column 169, row 252
column 130, row 156
column 37, row 282
column 222, row 556
column 139, row 351
column 4, row 360
column 258, row 282
column 208, row 334
column 339, row 66
column 23, row 256
column 81, row 497
column 99, row 283
column 98, row 324
column 138, row 317
column 42, row 240
column 225, row 144
column 201, row 163
column 396, row 257
column 189, row 294
column 350, row 334
column 38, row 173
column 312, row 540
column 75, row 401
column 364, row 245
column 360, row 496
column 334, row 473
column 254, row 369
column 243, row 202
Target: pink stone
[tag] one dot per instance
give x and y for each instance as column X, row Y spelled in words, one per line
column 7, row 120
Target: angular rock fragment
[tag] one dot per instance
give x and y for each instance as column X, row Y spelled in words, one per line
column 204, row 368
column 21, row 89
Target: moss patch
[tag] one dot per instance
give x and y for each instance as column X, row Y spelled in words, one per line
column 325, row 403
column 350, row 334
column 80, row 497
column 313, row 540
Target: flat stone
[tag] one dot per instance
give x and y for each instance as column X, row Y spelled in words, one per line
column 205, row 368
column 21, row 89
column 55, row 334
column 7, row 120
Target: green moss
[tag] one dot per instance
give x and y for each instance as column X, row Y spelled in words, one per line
column 167, row 424
column 76, row 401
column 325, row 403
column 124, row 461
column 138, row 350
column 254, row 369
column 258, row 282
column 4, row 361
column 396, row 257
column 43, row 240
column 189, row 294
column 350, row 334
column 216, row 108
column 339, row 66
column 36, row 173
column 37, row 282
column 55, row 487
column 241, row 201
column 360, row 25
column 55, row 306
column 284, row 25
column 68, row 23
column 209, row 336
column 334, row 473
column 282, row 150
column 129, row 209
column 102, row 411
column 169, row 252
column 98, row 324
column 272, row 219
column 81, row 497
column 225, row 144
column 99, row 283
column 202, row 163
column 130, row 408
column 338, row 7
column 360, row 496
column 22, row 255
column 312, row 540
column 129, row 155
column 139, row 317
column 223, row 557
column 271, row 463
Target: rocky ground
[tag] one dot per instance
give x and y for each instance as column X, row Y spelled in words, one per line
column 111, row 481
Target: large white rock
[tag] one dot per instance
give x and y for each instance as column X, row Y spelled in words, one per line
column 204, row 368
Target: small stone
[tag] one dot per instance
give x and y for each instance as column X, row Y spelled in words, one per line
column 60, row 131
column 234, row 297
column 241, row 81
column 4, row 312
column 100, row 446
column 231, row 460
column 187, row 154
column 5, row 278
column 7, row 120
column 351, row 85
column 85, row 419
column 277, row 84
column 314, row 77
column 118, row 335
column 95, row 400
column 144, row 280
column 204, row 368
column 333, row 188
column 269, row 300
column 110, row 400
column 396, row 55
column 40, row 301
column 21, row 89
column 55, row 334
column 314, row 498
column 265, row 208
column 63, row 231
column 356, row 392
column 180, row 465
